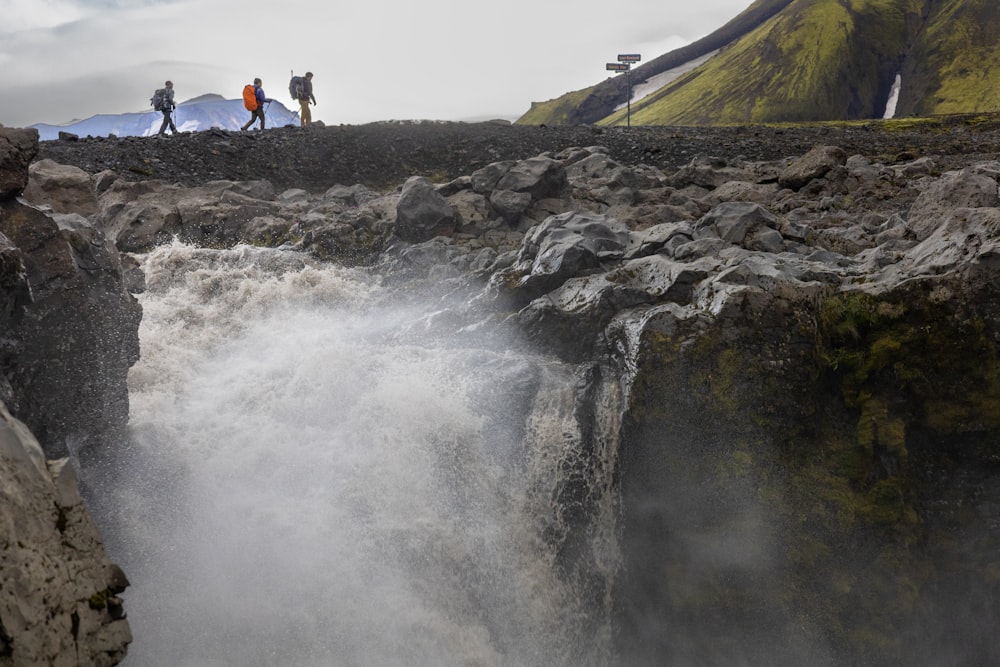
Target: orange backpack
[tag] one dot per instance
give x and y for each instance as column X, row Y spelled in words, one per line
column 249, row 97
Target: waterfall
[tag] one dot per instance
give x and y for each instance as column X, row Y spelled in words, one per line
column 890, row 105
column 307, row 485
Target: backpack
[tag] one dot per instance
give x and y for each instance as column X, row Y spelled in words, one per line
column 295, row 87
column 250, row 97
column 157, row 99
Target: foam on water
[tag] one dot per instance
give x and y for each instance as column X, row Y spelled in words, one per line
column 308, row 487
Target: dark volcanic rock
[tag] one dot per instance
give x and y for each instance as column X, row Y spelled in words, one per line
column 17, row 149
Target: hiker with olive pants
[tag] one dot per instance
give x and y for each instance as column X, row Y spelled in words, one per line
column 305, row 94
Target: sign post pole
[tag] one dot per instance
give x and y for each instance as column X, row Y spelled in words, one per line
column 628, row 59
column 624, row 67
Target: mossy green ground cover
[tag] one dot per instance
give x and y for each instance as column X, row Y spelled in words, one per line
column 556, row 111
column 962, row 58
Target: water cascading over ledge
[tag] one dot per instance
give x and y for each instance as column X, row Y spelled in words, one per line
column 310, row 481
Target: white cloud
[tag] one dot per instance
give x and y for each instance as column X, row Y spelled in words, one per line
column 22, row 15
column 372, row 61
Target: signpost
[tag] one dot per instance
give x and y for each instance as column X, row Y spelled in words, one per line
column 624, row 64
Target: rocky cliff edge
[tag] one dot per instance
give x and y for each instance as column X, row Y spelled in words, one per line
column 69, row 334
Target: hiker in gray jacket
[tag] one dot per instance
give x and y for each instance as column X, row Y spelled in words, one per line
column 167, row 107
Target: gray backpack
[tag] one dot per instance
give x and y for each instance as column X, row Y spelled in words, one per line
column 158, row 100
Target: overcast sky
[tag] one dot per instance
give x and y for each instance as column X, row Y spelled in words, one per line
column 372, row 60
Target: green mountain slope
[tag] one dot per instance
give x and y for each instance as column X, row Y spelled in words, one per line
column 807, row 60
column 955, row 65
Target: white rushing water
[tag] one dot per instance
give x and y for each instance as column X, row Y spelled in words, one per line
column 890, row 104
column 308, row 487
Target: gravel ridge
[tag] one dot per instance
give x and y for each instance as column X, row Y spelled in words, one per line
column 382, row 155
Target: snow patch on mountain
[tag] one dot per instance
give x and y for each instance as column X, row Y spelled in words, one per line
column 655, row 82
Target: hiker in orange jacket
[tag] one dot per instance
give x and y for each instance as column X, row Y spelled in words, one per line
column 259, row 111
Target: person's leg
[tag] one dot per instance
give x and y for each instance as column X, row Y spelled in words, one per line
column 165, row 123
column 263, row 120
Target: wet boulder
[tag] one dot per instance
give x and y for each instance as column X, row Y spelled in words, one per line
column 422, row 213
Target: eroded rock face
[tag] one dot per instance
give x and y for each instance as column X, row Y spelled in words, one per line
column 78, row 336
column 18, row 148
column 961, row 189
column 59, row 601
column 14, row 291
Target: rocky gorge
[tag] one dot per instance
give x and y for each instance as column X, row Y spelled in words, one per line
column 785, row 343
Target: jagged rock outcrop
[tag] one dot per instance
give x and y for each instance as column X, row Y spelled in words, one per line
column 69, row 334
column 79, row 335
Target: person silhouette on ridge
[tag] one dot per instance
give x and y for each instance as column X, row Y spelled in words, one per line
column 167, row 108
